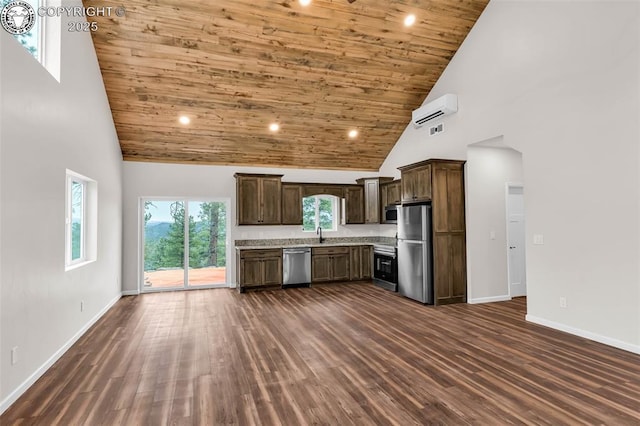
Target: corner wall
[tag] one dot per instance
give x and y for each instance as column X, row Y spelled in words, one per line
column 47, row 127
column 202, row 181
column 561, row 82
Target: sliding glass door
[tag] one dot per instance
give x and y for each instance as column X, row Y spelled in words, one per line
column 184, row 244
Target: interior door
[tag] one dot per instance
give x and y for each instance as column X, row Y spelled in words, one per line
column 516, row 241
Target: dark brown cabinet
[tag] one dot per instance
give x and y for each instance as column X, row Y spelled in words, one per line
column 329, row 264
column 372, row 200
column 291, row 204
column 416, row 183
column 354, row 204
column 389, row 194
column 443, row 181
column 258, row 268
column 360, row 262
column 449, row 240
column 394, row 192
column 258, row 199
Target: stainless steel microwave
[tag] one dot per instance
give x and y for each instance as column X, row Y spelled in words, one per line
column 391, row 214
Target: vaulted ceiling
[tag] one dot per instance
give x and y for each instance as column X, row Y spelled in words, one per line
column 233, row 67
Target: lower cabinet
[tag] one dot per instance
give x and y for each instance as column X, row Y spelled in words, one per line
column 258, row 268
column 330, row 264
column 341, row 263
column 450, row 268
column 360, row 258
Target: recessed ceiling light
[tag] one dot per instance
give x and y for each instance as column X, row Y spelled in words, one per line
column 184, row 120
column 353, row 133
column 409, row 20
column 304, row 2
column 274, row 127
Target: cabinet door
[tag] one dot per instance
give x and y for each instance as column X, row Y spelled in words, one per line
column 407, row 184
column 366, row 260
column 320, row 268
column 450, row 275
column 250, row 272
column 340, row 267
column 248, row 204
column 355, row 263
column 393, row 193
column 270, row 201
column 354, row 204
column 272, row 271
column 422, row 183
column 384, row 201
column 291, row 204
column 371, row 201
column 448, row 198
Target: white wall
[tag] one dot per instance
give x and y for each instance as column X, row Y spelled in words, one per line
column 560, row 82
column 488, row 171
column 47, row 127
column 174, row 180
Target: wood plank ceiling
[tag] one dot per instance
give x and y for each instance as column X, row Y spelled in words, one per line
column 235, row 66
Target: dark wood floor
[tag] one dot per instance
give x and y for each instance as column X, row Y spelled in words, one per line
column 335, row 355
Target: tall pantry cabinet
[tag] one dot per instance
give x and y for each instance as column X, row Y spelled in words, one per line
column 442, row 183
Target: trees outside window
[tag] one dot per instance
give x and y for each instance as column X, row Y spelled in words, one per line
column 185, row 243
column 320, row 210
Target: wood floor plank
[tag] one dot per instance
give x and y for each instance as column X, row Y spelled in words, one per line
column 347, row 354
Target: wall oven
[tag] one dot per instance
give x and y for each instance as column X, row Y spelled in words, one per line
column 385, row 267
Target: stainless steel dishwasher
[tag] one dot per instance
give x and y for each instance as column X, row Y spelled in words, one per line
column 296, row 266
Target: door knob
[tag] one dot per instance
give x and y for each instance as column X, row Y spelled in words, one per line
column 512, row 247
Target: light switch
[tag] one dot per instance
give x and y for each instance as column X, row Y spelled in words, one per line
column 492, row 235
column 538, row 239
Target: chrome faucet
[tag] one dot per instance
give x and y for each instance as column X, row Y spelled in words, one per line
column 319, row 232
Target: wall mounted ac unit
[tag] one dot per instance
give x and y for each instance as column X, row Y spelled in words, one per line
column 444, row 105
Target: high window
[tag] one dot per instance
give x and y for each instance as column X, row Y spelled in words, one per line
column 320, row 211
column 80, row 220
column 38, row 32
column 20, row 18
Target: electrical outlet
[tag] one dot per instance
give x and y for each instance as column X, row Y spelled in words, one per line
column 563, row 302
column 82, row 306
column 14, row 355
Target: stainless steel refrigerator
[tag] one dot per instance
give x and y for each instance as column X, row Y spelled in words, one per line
column 415, row 272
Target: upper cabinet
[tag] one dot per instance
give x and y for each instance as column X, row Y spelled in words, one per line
column 394, row 192
column 372, row 199
column 259, row 199
column 291, row 204
column 389, row 194
column 416, row 182
column 354, row 204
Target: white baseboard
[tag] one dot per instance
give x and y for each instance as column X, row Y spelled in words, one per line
column 13, row 396
column 489, row 299
column 130, row 293
column 586, row 334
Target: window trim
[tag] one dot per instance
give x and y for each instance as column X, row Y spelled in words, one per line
column 335, row 203
column 88, row 231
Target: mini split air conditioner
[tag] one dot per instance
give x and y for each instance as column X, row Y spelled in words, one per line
column 444, row 105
